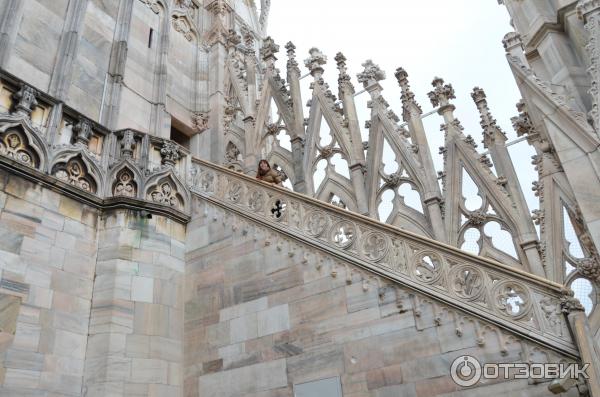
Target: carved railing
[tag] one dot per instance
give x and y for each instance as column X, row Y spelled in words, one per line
column 521, row 303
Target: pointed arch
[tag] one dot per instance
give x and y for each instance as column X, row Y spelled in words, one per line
column 166, row 188
column 334, row 185
column 20, row 141
column 75, row 167
column 124, row 180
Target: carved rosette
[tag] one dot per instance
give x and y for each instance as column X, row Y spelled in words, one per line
column 278, row 209
column 374, row 246
column 316, row 223
column 427, row 266
column 125, row 185
column 255, row 200
column 75, row 173
column 343, row 234
column 467, row 282
column 512, row 299
column 166, row 194
column 207, row 181
column 234, row 192
column 14, row 145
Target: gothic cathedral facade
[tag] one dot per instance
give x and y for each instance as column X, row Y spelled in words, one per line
column 141, row 256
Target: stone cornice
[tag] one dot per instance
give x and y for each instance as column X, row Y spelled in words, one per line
column 102, row 204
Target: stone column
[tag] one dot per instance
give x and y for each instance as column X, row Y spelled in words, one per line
column 136, row 326
column 160, row 122
column 67, row 50
column 357, row 155
column 494, row 140
column 582, row 334
column 116, row 67
column 11, row 15
column 297, row 130
column 220, row 10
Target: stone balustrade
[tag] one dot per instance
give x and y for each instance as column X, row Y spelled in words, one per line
column 518, row 302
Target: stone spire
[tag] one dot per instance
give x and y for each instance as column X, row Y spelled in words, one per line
column 344, row 81
column 292, row 64
column 409, row 104
column 491, row 131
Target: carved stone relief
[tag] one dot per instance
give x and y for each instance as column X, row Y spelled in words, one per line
column 13, row 144
column 125, row 184
column 75, row 173
column 165, row 193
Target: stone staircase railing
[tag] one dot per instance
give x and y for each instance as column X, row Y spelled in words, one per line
column 518, row 302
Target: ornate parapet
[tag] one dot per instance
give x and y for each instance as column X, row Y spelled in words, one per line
column 82, row 159
column 515, row 301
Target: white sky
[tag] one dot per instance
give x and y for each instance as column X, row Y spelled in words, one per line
column 458, row 40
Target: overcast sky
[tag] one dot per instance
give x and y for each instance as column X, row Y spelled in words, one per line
column 458, row 40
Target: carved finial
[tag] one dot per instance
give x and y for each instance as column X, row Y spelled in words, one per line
column 344, row 81
column 371, row 74
column 522, row 123
column 568, row 302
column 511, row 40
column 269, row 49
column 26, row 99
column 441, row 94
column 315, row 61
column 292, row 64
column 408, row 97
column 83, row 131
column 127, row 144
column 169, row 153
column 488, row 123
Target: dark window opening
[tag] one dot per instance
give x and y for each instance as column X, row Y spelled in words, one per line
column 180, row 137
column 150, row 37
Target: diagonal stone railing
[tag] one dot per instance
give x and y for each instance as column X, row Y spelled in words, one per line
column 520, row 303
